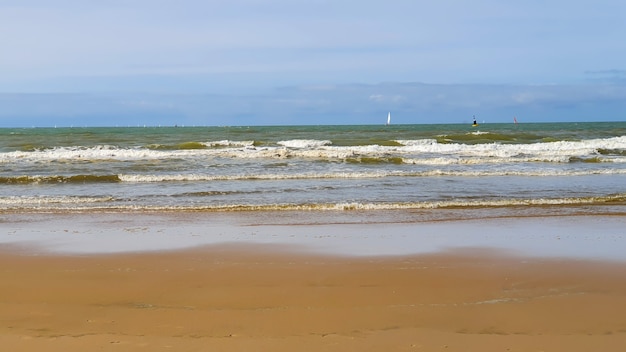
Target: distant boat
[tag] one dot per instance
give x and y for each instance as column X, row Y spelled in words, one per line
column 515, row 120
column 475, row 123
column 389, row 119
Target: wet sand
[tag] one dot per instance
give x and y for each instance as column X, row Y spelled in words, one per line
column 310, row 282
column 260, row 298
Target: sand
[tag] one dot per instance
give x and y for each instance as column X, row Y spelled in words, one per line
column 259, row 298
column 281, row 281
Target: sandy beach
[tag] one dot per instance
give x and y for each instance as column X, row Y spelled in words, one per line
column 236, row 296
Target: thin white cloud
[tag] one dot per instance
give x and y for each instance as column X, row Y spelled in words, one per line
column 377, row 97
column 78, row 45
column 343, row 104
column 380, row 98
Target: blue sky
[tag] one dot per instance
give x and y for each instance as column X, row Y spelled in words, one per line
column 246, row 62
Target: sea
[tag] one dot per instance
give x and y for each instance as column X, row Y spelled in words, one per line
column 436, row 171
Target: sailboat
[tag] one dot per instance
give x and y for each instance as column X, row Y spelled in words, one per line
column 515, row 120
column 389, row 119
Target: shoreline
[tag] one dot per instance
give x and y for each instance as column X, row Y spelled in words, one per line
column 310, row 282
column 351, row 234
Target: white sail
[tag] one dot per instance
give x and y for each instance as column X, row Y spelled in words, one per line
column 389, row 118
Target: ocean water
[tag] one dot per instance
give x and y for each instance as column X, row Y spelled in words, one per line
column 504, row 169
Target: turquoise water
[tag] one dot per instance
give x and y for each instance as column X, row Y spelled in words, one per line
column 515, row 168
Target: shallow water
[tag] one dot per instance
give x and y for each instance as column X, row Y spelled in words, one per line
column 371, row 233
column 346, row 168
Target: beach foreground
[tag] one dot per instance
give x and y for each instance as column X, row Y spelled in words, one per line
column 236, row 298
column 307, row 281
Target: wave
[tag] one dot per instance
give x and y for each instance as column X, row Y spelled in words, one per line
column 41, row 202
column 59, row 179
column 620, row 152
column 363, row 175
column 426, row 151
column 200, row 145
column 198, row 177
column 478, row 137
column 304, row 143
column 180, row 146
column 68, row 203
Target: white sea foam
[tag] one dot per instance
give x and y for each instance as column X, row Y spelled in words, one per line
column 422, row 151
column 107, row 203
column 418, row 142
column 304, row 143
column 229, row 143
column 34, row 201
column 242, row 177
column 137, row 178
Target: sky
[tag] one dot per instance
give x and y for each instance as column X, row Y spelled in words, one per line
column 277, row 62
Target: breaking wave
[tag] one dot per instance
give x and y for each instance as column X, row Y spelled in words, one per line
column 65, row 203
column 426, row 151
column 197, row 177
